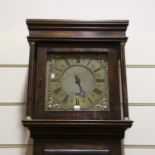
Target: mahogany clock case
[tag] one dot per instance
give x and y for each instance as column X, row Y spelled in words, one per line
column 83, row 132
column 102, row 37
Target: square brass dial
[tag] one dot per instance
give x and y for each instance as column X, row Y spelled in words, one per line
column 77, row 82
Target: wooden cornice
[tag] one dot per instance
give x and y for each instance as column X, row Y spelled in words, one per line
column 109, row 30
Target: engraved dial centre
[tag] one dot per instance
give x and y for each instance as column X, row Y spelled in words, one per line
column 78, row 80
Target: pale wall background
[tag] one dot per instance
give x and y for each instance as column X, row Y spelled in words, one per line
column 140, row 58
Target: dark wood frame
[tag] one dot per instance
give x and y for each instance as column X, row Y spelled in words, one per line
column 115, row 108
column 69, row 132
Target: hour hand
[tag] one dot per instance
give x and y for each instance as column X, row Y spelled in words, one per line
column 77, row 79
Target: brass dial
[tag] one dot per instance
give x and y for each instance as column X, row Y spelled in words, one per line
column 76, row 82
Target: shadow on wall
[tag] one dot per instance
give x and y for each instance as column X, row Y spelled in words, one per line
column 29, row 147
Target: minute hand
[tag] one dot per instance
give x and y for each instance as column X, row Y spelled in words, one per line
column 77, row 81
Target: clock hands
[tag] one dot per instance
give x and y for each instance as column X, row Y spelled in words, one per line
column 77, row 81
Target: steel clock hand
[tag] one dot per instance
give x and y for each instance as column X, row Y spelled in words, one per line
column 77, row 81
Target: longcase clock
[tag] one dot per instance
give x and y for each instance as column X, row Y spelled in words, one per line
column 77, row 90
